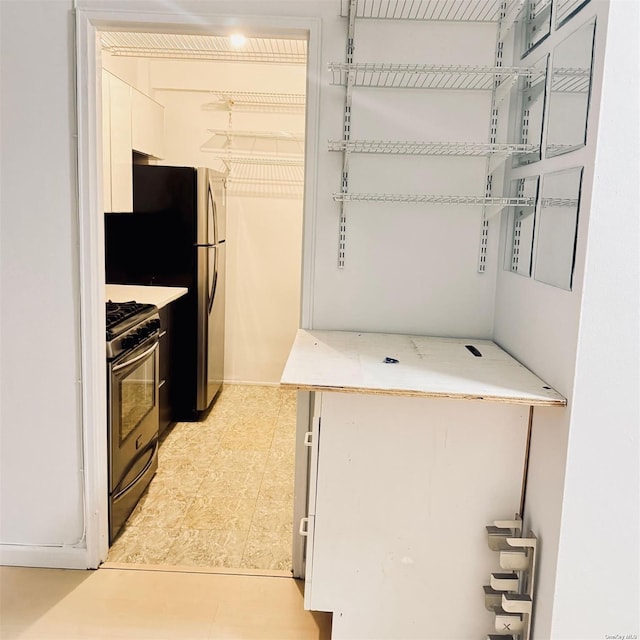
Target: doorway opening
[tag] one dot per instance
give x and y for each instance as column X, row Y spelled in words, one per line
column 223, row 494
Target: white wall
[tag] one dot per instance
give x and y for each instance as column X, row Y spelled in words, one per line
column 538, row 324
column 263, row 265
column 133, row 71
column 601, row 519
column 571, row 500
column 40, row 455
column 409, row 268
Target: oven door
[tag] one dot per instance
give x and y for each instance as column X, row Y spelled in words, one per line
column 133, row 413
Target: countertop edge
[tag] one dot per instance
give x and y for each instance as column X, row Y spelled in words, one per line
column 161, row 296
column 532, row 402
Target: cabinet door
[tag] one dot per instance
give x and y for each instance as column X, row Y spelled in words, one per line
column 147, row 125
column 165, row 408
column 314, row 434
column 405, row 487
column 120, row 140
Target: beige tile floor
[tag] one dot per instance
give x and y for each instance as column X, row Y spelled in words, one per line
column 223, row 493
column 56, row 604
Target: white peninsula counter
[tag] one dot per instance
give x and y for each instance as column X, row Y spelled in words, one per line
column 417, row 443
column 160, row 296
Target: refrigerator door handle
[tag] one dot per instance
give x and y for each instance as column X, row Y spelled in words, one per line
column 217, row 244
column 214, row 285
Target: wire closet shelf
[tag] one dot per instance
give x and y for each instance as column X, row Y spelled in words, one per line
column 203, row 47
column 497, row 79
column 424, row 148
column 256, row 101
column 434, row 10
column 433, row 199
column 423, row 76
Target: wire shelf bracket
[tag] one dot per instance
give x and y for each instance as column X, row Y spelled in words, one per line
column 501, row 89
column 346, row 132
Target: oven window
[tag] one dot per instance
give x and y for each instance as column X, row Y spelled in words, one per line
column 137, row 392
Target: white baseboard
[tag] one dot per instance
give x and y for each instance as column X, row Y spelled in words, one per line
column 44, row 557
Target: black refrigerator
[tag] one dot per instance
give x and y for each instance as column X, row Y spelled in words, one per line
column 175, row 236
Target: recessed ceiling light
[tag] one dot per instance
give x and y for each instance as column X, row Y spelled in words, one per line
column 237, row 40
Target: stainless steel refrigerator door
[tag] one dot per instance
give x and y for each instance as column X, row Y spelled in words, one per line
column 211, row 285
column 211, row 223
column 216, row 315
column 211, row 312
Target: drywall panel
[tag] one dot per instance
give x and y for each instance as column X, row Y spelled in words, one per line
column 40, row 430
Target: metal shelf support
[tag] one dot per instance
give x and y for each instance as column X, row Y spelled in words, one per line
column 346, row 132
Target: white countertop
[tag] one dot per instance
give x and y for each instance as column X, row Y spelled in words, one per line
column 160, row 296
column 434, row 367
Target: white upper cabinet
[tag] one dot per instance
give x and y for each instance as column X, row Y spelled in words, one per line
column 131, row 121
column 147, row 125
column 106, row 139
column 120, row 145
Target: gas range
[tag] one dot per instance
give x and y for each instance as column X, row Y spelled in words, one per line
column 133, row 331
column 128, row 325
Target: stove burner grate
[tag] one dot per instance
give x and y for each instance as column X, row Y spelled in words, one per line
column 123, row 315
column 119, row 311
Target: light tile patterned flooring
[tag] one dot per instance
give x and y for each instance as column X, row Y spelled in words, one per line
column 223, row 493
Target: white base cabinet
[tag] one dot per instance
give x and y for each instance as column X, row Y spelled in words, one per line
column 417, row 443
column 404, row 486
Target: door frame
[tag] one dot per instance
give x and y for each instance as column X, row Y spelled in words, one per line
column 89, row 23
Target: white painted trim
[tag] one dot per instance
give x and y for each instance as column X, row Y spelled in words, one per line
column 47, row 557
column 92, row 278
column 91, row 230
column 309, row 219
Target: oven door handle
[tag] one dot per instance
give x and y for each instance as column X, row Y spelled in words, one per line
column 142, row 356
column 121, row 492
